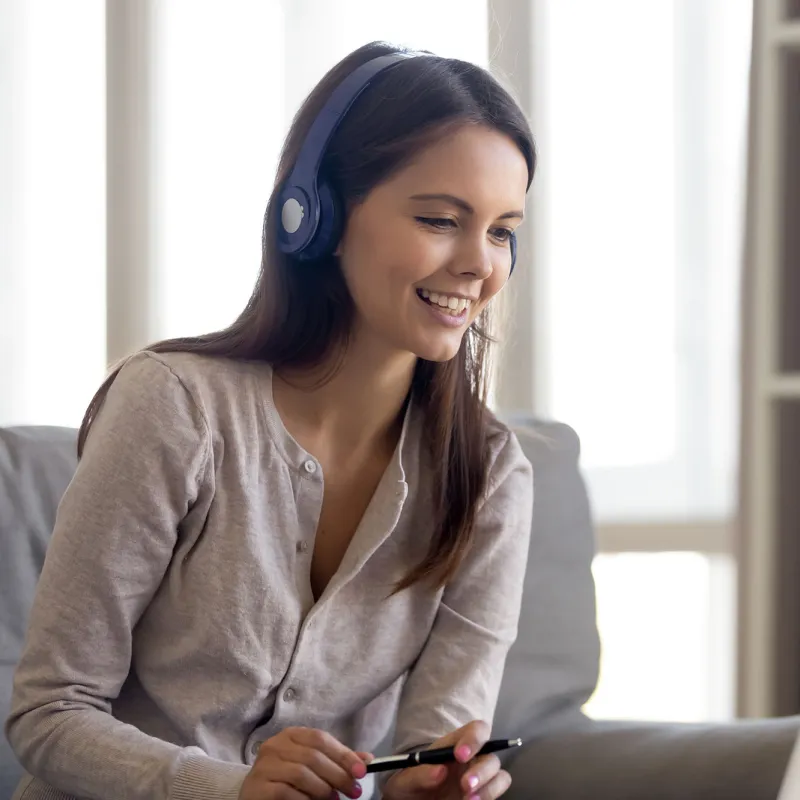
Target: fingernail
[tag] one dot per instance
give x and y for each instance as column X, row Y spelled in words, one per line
column 473, row 781
column 463, row 753
column 358, row 770
column 355, row 792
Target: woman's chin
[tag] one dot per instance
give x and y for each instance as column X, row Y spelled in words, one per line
column 439, row 351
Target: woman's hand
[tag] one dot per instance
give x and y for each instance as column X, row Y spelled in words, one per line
column 302, row 763
column 469, row 779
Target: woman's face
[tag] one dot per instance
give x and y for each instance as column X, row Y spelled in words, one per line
column 426, row 251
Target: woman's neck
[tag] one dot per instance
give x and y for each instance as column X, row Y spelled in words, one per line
column 359, row 407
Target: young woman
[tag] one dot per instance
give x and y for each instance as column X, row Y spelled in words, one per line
column 285, row 536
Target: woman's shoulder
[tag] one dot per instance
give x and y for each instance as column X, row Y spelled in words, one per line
column 202, row 376
column 505, row 452
column 196, row 368
column 222, row 390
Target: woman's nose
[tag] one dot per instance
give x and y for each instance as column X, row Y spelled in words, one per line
column 475, row 261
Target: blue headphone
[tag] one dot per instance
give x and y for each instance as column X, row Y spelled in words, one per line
column 311, row 215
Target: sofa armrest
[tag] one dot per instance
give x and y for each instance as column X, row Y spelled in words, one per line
column 659, row 761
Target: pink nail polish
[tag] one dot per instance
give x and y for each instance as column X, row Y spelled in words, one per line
column 356, row 792
column 463, row 753
column 473, row 781
column 358, row 770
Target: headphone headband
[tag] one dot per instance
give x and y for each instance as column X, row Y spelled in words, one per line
column 333, row 112
column 311, row 218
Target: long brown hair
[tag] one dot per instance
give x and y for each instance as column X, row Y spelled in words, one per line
column 300, row 313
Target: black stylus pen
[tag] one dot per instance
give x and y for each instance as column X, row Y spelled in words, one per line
column 440, row 755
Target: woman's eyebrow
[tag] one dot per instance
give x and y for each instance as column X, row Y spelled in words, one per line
column 463, row 204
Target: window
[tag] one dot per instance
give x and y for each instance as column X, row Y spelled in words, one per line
column 219, row 125
column 667, row 631
column 52, row 209
column 643, row 155
column 638, row 221
column 228, row 85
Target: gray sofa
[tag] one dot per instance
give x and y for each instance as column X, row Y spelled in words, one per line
column 551, row 671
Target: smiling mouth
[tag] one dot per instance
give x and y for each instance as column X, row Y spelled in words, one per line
column 447, row 304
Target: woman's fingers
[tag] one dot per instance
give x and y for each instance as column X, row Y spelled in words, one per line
column 322, row 742
column 313, row 762
column 471, row 738
column 300, row 778
column 480, row 773
column 300, row 763
column 325, row 770
column 496, row 787
column 414, row 780
column 477, row 777
column 284, row 791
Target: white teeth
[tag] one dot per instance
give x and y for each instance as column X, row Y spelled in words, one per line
column 453, row 305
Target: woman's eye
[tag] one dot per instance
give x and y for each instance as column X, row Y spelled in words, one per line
column 444, row 223
column 437, row 222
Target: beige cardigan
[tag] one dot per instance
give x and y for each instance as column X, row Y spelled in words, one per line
column 174, row 627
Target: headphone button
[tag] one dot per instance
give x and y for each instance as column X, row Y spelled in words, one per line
column 292, row 215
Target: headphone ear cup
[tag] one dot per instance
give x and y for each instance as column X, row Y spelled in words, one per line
column 329, row 229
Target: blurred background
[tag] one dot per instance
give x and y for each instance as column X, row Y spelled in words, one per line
column 654, row 309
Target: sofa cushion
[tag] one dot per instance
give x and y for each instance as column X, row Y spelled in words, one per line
column 36, row 464
column 553, row 666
